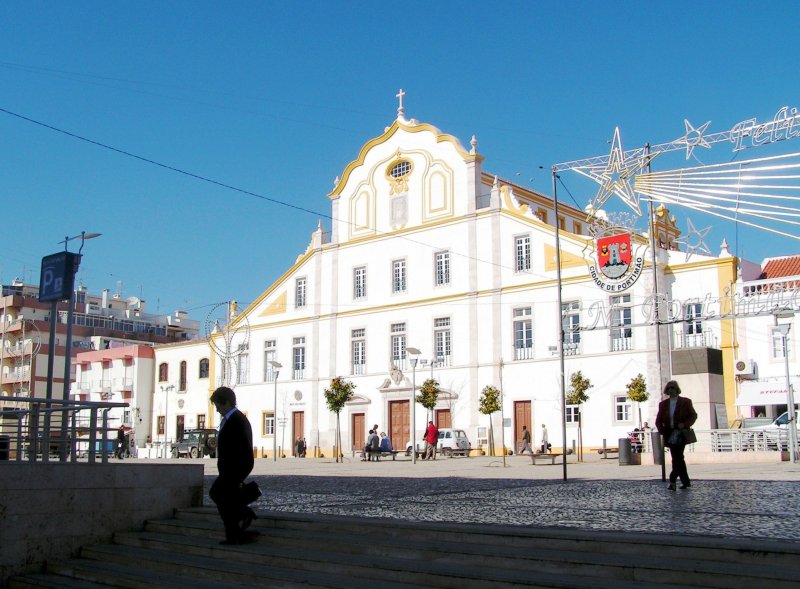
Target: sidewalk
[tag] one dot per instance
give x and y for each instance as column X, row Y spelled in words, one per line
column 726, row 500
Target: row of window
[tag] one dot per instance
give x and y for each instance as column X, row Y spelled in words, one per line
column 163, row 372
column 623, row 411
column 399, row 279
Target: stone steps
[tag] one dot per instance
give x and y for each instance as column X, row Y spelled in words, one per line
column 311, row 550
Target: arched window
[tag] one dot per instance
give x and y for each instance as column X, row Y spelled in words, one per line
column 163, row 372
column 182, row 377
column 203, row 371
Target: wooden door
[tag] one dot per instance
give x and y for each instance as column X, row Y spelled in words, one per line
column 179, row 427
column 522, row 416
column 358, row 435
column 443, row 418
column 399, row 424
column 298, row 429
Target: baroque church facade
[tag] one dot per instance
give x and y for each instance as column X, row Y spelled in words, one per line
column 428, row 252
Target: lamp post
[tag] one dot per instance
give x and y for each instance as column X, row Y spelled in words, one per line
column 166, row 390
column 57, row 281
column 783, row 329
column 277, row 366
column 414, row 352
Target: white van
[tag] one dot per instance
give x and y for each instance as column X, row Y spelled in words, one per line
column 773, row 435
column 451, row 442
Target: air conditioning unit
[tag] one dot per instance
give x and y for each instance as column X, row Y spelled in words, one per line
column 745, row 369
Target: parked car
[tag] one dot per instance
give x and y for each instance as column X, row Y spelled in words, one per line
column 450, row 442
column 196, row 443
column 773, row 435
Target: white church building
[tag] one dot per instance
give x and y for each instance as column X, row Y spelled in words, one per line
column 429, row 252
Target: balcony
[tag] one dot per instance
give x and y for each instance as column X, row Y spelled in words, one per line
column 523, row 353
column 706, row 339
column 123, row 384
column 621, row 344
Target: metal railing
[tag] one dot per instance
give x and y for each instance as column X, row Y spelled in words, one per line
column 33, row 429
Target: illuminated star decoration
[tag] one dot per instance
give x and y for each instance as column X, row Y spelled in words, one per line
column 694, row 137
column 693, row 240
column 615, row 177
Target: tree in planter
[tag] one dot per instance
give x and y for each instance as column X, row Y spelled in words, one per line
column 576, row 395
column 339, row 393
column 637, row 392
column 428, row 395
column 488, row 403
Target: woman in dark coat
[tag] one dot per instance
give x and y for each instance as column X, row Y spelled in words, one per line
column 676, row 414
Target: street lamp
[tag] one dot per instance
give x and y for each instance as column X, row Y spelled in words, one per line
column 166, row 390
column 414, row 352
column 277, row 366
column 783, row 329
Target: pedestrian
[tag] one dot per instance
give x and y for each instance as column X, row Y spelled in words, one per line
column 234, row 463
column 545, row 445
column 386, row 443
column 431, row 438
column 299, row 450
column 373, row 445
column 676, row 414
column 365, row 449
column 120, row 442
column 526, row 440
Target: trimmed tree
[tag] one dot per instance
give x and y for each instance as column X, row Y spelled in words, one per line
column 637, row 392
column 428, row 395
column 577, row 395
column 488, row 403
column 339, row 393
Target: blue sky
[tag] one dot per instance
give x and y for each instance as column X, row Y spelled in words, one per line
column 276, row 98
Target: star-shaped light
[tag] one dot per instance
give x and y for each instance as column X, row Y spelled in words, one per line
column 693, row 240
column 615, row 177
column 694, row 137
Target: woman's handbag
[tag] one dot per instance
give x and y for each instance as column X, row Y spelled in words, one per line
column 689, row 437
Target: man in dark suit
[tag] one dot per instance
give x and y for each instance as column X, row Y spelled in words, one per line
column 234, row 462
column 676, row 414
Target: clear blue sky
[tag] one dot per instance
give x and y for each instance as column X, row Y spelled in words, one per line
column 276, row 98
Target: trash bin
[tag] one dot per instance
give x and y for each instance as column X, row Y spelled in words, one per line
column 657, row 446
column 5, row 447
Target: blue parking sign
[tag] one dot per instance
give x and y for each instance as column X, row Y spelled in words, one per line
column 57, row 278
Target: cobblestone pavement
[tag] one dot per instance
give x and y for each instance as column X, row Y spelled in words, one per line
column 730, row 500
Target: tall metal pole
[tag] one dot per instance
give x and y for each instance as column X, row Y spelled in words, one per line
column 413, row 410
column 656, row 308
column 791, row 424
column 277, row 366
column 560, row 315
column 502, row 415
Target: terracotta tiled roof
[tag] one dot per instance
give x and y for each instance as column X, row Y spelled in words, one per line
column 780, row 267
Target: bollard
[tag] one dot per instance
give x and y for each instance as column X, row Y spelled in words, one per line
column 625, row 454
column 658, row 448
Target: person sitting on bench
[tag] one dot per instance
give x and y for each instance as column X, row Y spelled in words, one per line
column 386, row 444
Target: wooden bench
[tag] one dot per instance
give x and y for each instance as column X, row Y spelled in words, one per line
column 376, row 454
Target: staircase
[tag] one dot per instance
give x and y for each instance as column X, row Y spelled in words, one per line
column 304, row 550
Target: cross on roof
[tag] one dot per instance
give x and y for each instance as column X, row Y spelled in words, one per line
column 400, row 109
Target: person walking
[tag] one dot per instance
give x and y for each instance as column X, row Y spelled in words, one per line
column 526, row 441
column 431, row 438
column 120, row 442
column 545, row 444
column 234, row 463
column 675, row 415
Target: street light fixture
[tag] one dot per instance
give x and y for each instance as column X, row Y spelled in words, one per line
column 783, row 329
column 414, row 353
column 277, row 366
